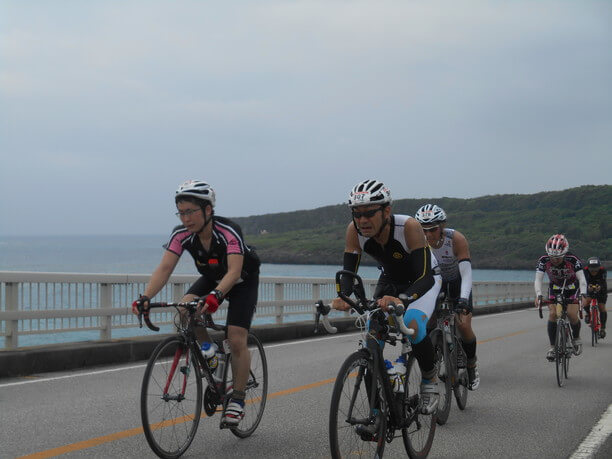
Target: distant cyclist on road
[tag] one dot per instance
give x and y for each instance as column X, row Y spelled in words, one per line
column 452, row 251
column 398, row 244
column 560, row 266
column 229, row 268
column 597, row 287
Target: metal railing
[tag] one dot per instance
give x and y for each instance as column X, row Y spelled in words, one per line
column 35, row 303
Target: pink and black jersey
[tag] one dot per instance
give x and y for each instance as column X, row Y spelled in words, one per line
column 226, row 240
column 566, row 271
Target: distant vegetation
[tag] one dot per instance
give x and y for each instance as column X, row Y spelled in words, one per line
column 504, row 231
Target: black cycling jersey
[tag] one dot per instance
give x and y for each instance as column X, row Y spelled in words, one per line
column 598, row 279
column 410, row 271
column 227, row 239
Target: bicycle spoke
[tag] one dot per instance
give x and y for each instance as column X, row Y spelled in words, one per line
column 170, row 418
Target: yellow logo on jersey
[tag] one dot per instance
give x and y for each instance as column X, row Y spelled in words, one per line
column 397, row 255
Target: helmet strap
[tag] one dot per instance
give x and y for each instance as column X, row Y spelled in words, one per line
column 206, row 220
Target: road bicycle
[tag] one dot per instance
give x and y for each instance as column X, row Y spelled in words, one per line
column 365, row 411
column 450, row 358
column 594, row 321
column 564, row 341
column 172, row 394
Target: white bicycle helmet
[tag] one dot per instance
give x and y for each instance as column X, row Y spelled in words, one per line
column 430, row 213
column 557, row 245
column 369, row 192
column 196, row 189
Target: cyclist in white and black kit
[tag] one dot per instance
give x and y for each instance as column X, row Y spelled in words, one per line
column 452, row 251
column 229, row 268
column 398, row 244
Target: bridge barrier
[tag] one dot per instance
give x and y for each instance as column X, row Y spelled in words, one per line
column 40, row 303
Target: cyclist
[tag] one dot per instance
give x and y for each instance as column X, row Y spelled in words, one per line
column 452, row 251
column 561, row 267
column 229, row 268
column 595, row 276
column 398, row 244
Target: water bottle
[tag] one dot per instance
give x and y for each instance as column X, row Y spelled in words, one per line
column 400, row 369
column 221, row 361
column 209, row 351
column 393, row 377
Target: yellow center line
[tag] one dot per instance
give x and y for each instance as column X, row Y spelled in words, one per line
column 85, row 444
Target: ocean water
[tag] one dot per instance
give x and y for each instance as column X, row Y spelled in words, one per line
column 140, row 255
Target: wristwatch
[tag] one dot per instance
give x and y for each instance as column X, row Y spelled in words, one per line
column 218, row 294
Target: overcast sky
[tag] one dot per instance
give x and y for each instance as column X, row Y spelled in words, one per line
column 106, row 107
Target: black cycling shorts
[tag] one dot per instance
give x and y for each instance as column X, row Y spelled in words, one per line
column 242, row 298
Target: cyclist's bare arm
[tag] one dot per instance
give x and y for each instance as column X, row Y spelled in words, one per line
column 351, row 246
column 234, row 269
column 160, row 276
column 460, row 246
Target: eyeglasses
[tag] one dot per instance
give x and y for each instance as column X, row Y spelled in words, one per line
column 186, row 213
column 431, row 228
column 366, row 213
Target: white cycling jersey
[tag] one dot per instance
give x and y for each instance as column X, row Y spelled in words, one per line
column 445, row 255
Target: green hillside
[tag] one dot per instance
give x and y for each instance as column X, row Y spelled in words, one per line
column 505, row 231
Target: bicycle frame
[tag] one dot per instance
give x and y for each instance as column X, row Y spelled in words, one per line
column 188, row 334
column 595, row 319
column 378, row 328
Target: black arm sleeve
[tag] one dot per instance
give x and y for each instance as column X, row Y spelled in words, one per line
column 350, row 263
column 420, row 268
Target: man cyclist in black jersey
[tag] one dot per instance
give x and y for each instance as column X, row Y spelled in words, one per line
column 451, row 249
column 597, row 287
column 229, row 268
column 398, row 244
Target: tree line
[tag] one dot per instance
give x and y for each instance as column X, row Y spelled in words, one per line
column 504, row 231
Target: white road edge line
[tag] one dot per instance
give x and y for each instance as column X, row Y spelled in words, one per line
column 142, row 365
column 596, row 437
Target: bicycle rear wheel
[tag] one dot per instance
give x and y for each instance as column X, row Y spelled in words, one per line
column 560, row 350
column 461, row 379
column 418, row 435
column 442, row 359
column 256, row 389
column 359, row 410
column 171, row 398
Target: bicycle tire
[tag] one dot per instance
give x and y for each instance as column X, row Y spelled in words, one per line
column 171, row 398
column 418, row 436
column 256, row 390
column 461, row 379
column 442, row 359
column 595, row 325
column 560, row 349
column 351, row 394
column 568, row 350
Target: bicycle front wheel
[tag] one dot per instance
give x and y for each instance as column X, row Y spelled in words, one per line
column 560, row 350
column 569, row 349
column 171, row 398
column 442, row 359
column 256, row 389
column 461, row 379
column 419, row 433
column 359, row 410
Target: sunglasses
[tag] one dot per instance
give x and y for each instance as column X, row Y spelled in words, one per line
column 365, row 213
column 431, row 228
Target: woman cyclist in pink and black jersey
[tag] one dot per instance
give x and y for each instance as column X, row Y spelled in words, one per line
column 229, row 268
column 561, row 267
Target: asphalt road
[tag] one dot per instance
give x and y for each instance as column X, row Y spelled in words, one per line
column 519, row 411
